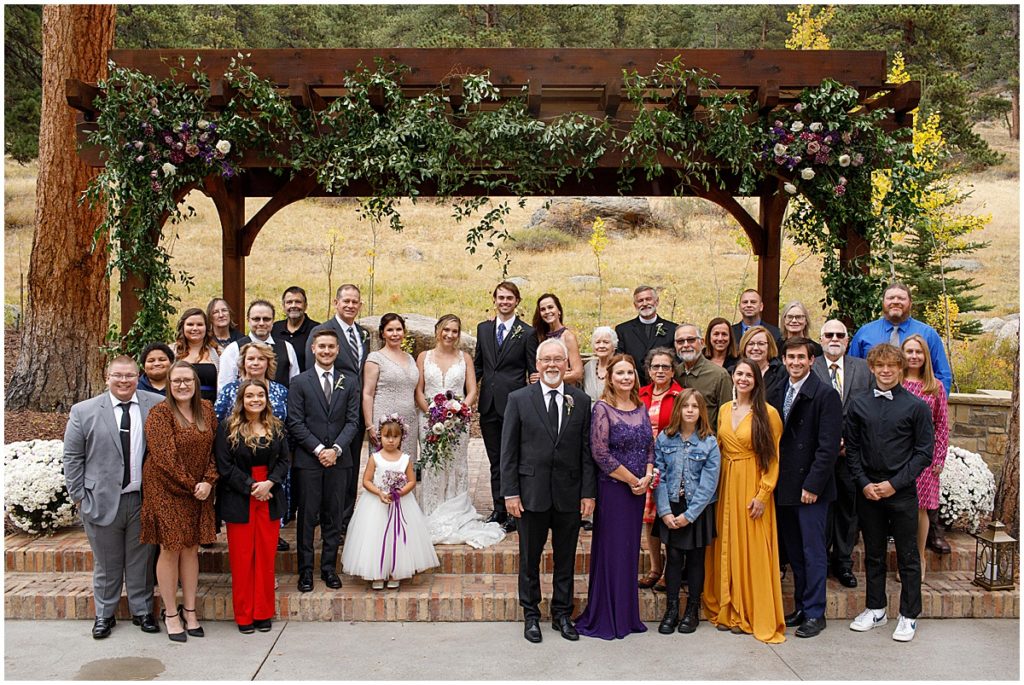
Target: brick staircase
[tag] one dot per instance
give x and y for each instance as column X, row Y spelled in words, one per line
column 51, row 578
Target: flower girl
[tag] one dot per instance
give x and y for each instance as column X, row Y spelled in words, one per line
column 388, row 537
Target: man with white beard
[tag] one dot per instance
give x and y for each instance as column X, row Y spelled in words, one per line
column 700, row 373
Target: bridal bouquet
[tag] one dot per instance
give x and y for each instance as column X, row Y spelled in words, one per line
column 447, row 420
column 36, row 499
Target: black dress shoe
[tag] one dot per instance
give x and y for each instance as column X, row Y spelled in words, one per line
column 305, row 581
column 146, row 622
column 263, row 625
column 246, row 628
column 509, row 526
column 331, row 579
column 282, row 545
column 102, row 627
column 563, row 624
column 811, row 627
column 532, row 630
column 587, row 525
column 794, row 619
column 847, row 579
column 496, row 517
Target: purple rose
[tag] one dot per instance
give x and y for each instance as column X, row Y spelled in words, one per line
column 177, row 156
column 155, row 185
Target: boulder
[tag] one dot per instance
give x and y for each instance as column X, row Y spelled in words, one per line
column 584, row 280
column 421, row 329
column 520, row 281
column 575, row 215
column 968, row 265
column 412, row 254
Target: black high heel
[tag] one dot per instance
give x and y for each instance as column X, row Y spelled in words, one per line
column 194, row 632
column 174, row 637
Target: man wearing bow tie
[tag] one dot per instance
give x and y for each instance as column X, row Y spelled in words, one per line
column 889, row 441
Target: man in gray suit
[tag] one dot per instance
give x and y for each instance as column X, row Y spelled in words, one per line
column 104, row 447
column 848, row 375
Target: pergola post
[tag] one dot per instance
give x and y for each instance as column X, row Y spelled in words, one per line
column 769, row 256
column 229, row 198
column 130, row 305
column 854, row 248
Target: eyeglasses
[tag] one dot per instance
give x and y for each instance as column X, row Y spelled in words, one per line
column 660, row 367
column 837, row 334
column 551, row 360
column 261, row 318
column 794, row 317
column 183, row 382
column 757, row 343
column 123, row 376
column 686, row 341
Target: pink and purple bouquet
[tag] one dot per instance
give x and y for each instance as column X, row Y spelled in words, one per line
column 392, row 482
column 448, row 419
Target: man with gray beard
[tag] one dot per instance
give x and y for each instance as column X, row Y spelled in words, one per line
column 696, row 371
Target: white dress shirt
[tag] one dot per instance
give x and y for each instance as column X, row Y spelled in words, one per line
column 138, row 439
column 228, row 372
column 559, row 399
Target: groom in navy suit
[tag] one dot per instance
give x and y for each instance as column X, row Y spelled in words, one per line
column 505, row 357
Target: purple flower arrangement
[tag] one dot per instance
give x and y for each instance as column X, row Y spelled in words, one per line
column 448, row 419
column 392, row 482
column 806, row 149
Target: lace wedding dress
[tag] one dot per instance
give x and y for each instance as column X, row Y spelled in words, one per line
column 444, row 495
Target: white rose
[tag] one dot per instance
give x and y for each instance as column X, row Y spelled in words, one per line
column 807, row 174
column 203, row 124
column 790, row 188
column 797, row 126
column 815, row 126
column 438, row 428
column 223, row 147
column 844, row 160
column 780, row 149
column 454, row 405
column 169, row 169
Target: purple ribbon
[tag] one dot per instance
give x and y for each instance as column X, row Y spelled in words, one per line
column 399, row 525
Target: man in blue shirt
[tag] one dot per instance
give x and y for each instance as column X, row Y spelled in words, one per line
column 895, row 326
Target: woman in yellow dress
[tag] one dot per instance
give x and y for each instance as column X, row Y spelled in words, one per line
column 742, row 588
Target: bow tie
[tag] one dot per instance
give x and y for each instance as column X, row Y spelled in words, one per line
column 887, row 394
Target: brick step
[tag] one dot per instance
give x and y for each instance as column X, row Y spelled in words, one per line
column 462, row 597
column 69, row 551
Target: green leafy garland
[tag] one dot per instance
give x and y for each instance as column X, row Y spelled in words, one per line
column 160, row 140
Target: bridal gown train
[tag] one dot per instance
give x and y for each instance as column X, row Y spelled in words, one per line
column 444, row 495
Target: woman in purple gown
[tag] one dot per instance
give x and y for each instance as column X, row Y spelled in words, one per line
column 622, row 445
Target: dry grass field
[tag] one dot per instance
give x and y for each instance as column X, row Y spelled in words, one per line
column 692, row 255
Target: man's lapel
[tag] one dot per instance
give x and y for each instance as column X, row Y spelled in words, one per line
column 509, row 340
column 540, row 404
column 107, row 411
column 848, row 375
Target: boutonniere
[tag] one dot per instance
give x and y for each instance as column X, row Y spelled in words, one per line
column 363, row 334
column 517, row 331
column 340, row 385
column 569, row 404
column 659, row 330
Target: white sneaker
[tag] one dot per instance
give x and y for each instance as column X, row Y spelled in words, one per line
column 868, row 619
column 905, row 629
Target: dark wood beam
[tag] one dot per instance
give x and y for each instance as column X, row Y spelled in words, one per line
column 221, row 93
column 456, row 93
column 82, row 96
column 229, row 199
column 725, row 200
column 765, row 97
column 611, row 98
column 769, row 258
column 534, row 96
column 902, row 99
column 298, row 187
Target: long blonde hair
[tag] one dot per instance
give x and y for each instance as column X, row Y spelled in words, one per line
column 196, row 402
column 932, row 385
column 239, row 426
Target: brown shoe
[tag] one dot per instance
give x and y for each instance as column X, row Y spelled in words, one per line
column 649, row 580
column 936, row 540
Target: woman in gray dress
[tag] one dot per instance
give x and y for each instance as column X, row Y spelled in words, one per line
column 389, row 384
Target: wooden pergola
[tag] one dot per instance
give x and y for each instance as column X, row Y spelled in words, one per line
column 589, row 81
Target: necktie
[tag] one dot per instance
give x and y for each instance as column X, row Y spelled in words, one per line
column 352, row 341
column 501, row 334
column 894, row 337
column 553, row 410
column 787, row 404
column 126, row 443
column 327, row 386
column 837, row 382
column 887, row 394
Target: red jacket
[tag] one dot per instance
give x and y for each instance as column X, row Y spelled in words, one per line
column 665, row 412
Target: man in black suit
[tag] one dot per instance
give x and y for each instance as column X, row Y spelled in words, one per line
column 812, row 417
column 848, row 375
column 751, row 307
column 504, row 359
column 353, row 347
column 639, row 336
column 323, row 415
column 548, row 481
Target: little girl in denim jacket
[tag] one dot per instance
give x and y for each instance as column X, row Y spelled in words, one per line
column 687, row 457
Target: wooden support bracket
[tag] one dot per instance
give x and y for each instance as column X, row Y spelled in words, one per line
column 376, row 94
column 611, row 98
column 534, row 97
column 765, row 96
column 727, row 202
column 298, row 187
column 456, row 93
column 220, row 93
column 81, row 96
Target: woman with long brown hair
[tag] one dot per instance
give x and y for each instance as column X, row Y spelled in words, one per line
column 177, row 479
column 194, row 343
column 720, row 347
column 547, row 321
column 742, row 588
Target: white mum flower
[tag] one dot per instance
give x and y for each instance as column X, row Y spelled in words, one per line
column 797, row 126
column 223, row 147
column 790, row 188
column 844, row 160
column 807, row 173
column 169, row 169
column 780, row 149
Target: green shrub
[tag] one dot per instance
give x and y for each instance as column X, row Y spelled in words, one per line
column 984, row 362
column 540, row 239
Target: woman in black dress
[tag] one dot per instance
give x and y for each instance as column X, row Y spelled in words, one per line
column 195, row 344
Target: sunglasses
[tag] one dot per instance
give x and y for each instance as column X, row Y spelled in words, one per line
column 840, row 335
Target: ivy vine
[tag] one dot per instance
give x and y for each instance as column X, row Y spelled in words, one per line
column 161, row 138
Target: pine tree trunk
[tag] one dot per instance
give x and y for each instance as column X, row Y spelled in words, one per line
column 68, row 292
column 1015, row 113
column 1007, row 504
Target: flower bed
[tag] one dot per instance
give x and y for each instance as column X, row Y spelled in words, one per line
column 35, row 498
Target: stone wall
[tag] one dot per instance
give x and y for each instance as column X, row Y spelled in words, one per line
column 980, row 423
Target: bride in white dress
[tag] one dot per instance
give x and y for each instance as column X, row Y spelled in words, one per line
column 444, row 495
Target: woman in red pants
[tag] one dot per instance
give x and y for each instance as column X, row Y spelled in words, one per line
column 252, row 459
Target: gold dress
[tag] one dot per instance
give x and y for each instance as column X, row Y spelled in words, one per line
column 742, row 585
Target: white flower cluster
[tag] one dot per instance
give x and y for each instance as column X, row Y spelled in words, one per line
column 35, row 498
column 967, row 489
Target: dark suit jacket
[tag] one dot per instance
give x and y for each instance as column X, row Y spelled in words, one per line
column 543, row 469
column 856, row 375
column 737, row 333
column 499, row 372
column 346, row 361
column 311, row 422
column 633, row 341
column 234, row 464
column 93, row 460
column 810, row 440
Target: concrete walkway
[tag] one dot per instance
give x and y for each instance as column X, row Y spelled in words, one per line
column 967, row 649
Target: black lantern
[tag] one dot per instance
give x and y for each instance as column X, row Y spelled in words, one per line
column 995, row 558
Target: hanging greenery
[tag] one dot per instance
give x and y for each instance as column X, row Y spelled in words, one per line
column 161, row 139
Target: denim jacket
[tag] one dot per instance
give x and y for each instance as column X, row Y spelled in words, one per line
column 695, row 460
